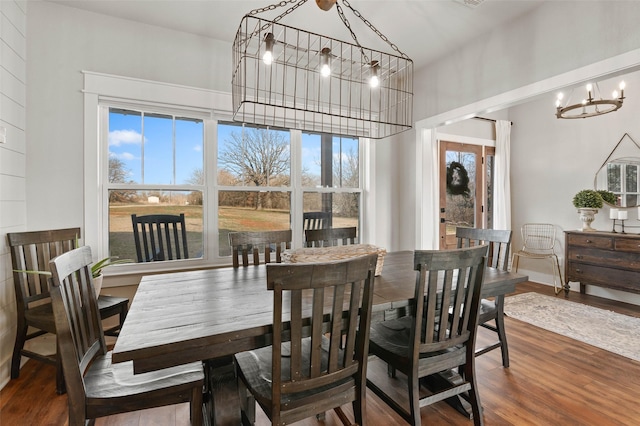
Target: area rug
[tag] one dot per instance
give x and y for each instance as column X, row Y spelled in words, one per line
column 604, row 329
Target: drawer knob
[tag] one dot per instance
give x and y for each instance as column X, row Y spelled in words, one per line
column 578, row 270
column 578, row 256
column 589, row 241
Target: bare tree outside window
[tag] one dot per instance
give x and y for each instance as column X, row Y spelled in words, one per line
column 257, row 157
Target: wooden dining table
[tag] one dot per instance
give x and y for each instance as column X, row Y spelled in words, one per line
column 177, row 318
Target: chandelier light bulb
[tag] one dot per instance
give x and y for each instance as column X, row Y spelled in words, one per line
column 374, row 81
column 614, row 94
column 325, row 68
column 558, row 104
column 622, row 86
column 269, row 41
column 267, row 58
column 589, row 87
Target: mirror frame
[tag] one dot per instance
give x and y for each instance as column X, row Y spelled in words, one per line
column 628, row 159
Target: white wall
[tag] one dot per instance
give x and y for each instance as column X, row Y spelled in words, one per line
column 12, row 162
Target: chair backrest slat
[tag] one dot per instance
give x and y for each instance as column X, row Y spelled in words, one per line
column 447, row 297
column 330, row 237
column 338, row 297
column 160, row 237
column 243, row 243
column 316, row 220
column 498, row 240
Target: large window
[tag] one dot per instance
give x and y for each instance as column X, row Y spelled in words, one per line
column 222, row 176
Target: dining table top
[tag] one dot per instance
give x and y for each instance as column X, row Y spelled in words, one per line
column 181, row 317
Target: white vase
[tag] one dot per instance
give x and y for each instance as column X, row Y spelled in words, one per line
column 587, row 216
column 97, row 284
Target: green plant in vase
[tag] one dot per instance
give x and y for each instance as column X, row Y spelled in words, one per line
column 587, row 201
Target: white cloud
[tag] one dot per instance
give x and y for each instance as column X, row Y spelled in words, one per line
column 125, row 156
column 122, row 137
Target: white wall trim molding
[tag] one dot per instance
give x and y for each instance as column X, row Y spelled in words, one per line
column 470, row 140
column 607, row 68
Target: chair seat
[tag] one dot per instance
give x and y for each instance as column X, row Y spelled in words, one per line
column 534, row 254
column 255, row 367
column 105, row 380
column 41, row 317
column 391, row 339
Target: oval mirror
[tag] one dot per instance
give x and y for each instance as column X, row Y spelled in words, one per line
column 621, row 176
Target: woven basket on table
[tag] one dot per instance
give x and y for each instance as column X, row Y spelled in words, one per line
column 325, row 254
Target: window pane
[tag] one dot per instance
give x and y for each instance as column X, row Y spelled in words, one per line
column 237, row 212
column 345, row 169
column 158, row 150
column 614, row 177
column 329, row 161
column 189, row 151
column 344, row 207
column 249, row 156
column 311, row 160
column 125, row 146
column 632, row 178
column 122, row 204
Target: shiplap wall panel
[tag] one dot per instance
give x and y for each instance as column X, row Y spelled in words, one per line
column 13, row 30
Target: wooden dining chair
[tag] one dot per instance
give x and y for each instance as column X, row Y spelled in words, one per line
column 256, row 243
column 95, row 386
column 499, row 242
column 330, row 237
column 440, row 333
column 318, row 359
column 160, row 237
column 316, row 220
column 31, row 251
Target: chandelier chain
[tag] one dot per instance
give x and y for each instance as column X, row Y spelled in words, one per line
column 372, row 28
column 274, row 6
column 346, row 23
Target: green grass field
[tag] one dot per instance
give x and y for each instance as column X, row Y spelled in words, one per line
column 230, row 219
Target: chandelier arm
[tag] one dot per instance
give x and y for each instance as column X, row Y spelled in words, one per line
column 374, row 29
column 346, row 23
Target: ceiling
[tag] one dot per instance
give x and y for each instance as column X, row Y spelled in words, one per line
column 423, row 29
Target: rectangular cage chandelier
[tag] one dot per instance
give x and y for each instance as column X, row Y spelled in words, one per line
column 291, row 78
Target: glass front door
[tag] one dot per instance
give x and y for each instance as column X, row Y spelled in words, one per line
column 461, row 195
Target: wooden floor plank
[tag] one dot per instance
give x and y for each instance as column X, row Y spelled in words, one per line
column 553, row 380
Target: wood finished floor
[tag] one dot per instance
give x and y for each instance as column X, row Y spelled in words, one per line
column 553, row 380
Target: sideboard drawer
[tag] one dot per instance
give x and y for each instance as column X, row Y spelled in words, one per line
column 627, row 244
column 603, row 277
column 590, row 240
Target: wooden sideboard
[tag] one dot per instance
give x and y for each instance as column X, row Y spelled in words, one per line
column 604, row 259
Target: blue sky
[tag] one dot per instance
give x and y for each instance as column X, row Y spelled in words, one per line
column 125, row 143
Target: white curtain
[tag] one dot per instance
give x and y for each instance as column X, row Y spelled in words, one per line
column 427, row 191
column 502, row 178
